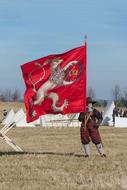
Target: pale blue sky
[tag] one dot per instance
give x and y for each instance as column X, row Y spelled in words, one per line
column 30, row 29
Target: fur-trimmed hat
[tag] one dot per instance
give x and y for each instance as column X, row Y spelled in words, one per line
column 89, row 100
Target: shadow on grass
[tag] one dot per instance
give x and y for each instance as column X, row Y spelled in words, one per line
column 41, row 153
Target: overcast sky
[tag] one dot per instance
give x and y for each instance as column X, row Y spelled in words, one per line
column 30, row 29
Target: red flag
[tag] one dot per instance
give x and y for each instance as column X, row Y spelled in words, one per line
column 55, row 84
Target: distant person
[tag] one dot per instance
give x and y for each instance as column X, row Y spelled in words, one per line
column 114, row 114
column 117, row 112
column 121, row 113
column 91, row 120
column 102, row 112
column 5, row 112
column 125, row 113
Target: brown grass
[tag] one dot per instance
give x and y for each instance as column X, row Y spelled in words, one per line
column 53, row 160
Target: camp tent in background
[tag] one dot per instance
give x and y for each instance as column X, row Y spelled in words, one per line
column 36, row 122
column 120, row 122
column 107, row 115
column 73, row 120
column 51, row 120
column 8, row 117
column 12, row 123
column 59, row 120
column 48, row 120
column 108, row 119
column 22, row 121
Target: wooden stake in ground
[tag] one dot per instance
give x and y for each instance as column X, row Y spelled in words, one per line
column 7, row 140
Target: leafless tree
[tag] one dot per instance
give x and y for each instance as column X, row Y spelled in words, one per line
column 2, row 97
column 125, row 93
column 9, row 95
column 15, row 95
column 91, row 92
column 5, row 95
column 116, row 93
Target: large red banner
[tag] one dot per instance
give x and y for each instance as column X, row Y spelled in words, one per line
column 55, row 84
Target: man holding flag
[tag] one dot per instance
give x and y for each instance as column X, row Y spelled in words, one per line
column 91, row 120
column 56, row 84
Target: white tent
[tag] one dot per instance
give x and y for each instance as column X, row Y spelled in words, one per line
column 51, row 120
column 107, row 115
column 14, row 119
column 37, row 122
column 8, row 117
column 120, row 122
column 59, row 120
column 108, row 119
column 73, row 120
column 20, row 119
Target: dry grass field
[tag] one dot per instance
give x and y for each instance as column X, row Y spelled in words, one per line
column 53, row 160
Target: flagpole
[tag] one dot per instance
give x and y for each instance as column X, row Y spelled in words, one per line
column 85, row 116
column 85, row 39
column 85, row 43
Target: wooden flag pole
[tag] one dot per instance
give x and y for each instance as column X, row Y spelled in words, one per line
column 85, row 43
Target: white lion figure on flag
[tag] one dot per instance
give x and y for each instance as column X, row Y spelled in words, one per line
column 57, row 78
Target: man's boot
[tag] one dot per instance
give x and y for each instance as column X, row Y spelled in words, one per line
column 100, row 150
column 86, row 150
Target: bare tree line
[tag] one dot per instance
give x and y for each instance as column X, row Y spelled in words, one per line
column 9, row 95
column 91, row 92
column 118, row 94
